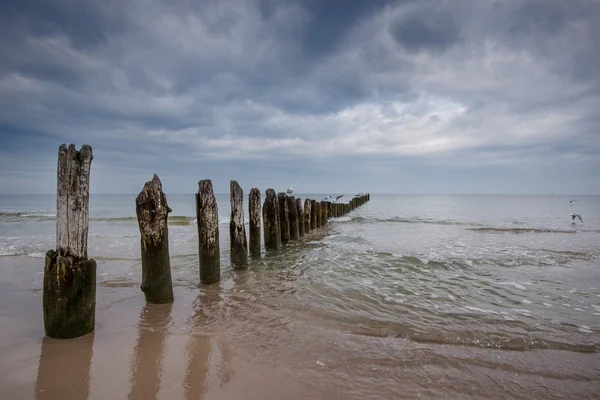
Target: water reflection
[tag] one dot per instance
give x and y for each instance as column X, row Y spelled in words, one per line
column 146, row 367
column 208, row 357
column 64, row 368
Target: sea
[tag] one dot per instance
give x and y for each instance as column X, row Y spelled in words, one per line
column 494, row 291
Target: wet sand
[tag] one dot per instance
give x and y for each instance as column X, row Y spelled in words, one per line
column 228, row 341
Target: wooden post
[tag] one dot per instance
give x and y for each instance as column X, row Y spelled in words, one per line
column 293, row 214
column 69, row 293
column 300, row 213
column 152, row 213
column 207, row 216
column 326, row 207
column 307, row 216
column 271, row 229
column 284, row 217
column 323, row 212
column 254, row 213
column 318, row 214
column 237, row 230
column 313, row 215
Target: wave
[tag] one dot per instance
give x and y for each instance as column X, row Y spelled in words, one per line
column 19, row 216
column 521, row 230
column 401, row 220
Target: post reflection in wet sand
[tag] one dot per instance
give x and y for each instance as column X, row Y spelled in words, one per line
column 64, row 368
column 147, row 359
column 208, row 356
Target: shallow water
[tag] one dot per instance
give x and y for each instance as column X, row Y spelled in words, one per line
column 407, row 295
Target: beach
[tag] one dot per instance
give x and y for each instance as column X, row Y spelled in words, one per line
column 492, row 297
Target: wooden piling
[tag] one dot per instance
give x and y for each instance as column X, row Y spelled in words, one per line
column 313, row 215
column 152, row 212
column 323, row 213
column 207, row 216
column 307, row 216
column 237, row 230
column 318, row 214
column 254, row 225
column 271, row 229
column 300, row 213
column 284, row 217
column 69, row 288
column 293, row 217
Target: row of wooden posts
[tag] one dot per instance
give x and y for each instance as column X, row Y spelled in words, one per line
column 69, row 290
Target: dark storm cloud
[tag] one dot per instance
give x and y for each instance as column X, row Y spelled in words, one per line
column 225, row 88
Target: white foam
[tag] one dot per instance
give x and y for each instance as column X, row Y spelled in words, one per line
column 36, row 254
column 514, row 284
column 547, row 305
column 585, row 329
column 525, row 301
column 451, row 297
column 481, row 310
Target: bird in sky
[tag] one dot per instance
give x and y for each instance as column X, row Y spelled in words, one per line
column 290, row 190
column 573, row 216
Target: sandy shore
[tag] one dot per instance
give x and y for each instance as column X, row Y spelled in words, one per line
column 229, row 343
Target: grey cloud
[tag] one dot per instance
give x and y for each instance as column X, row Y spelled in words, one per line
column 432, row 31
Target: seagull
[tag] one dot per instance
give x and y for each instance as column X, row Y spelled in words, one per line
column 573, row 216
column 571, row 202
column 328, row 198
column 338, row 197
column 290, row 190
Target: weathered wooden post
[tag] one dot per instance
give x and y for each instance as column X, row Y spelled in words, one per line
column 318, row 214
column 254, row 214
column 307, row 216
column 293, row 216
column 271, row 229
column 284, row 217
column 324, row 212
column 300, row 213
column 237, row 230
column 152, row 213
column 207, row 216
column 313, row 215
column 69, row 293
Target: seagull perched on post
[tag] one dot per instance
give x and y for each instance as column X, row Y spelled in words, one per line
column 573, row 216
column 290, row 190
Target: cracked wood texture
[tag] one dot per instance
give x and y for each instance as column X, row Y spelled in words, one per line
column 284, row 217
column 293, row 217
column 313, row 215
column 207, row 217
column 271, row 230
column 307, row 214
column 237, row 229
column 300, row 213
column 152, row 213
column 254, row 225
column 69, row 288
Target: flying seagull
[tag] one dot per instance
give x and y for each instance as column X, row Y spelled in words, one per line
column 328, row 198
column 290, row 190
column 571, row 202
column 338, row 197
column 573, row 216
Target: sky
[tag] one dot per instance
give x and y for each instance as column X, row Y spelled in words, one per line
column 461, row 96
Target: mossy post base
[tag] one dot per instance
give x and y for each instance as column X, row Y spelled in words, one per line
column 69, row 299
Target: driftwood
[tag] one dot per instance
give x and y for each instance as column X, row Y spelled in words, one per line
column 152, row 213
column 69, row 292
column 254, row 226
column 284, row 217
column 307, row 216
column 237, row 229
column 300, row 215
column 207, row 216
column 271, row 230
